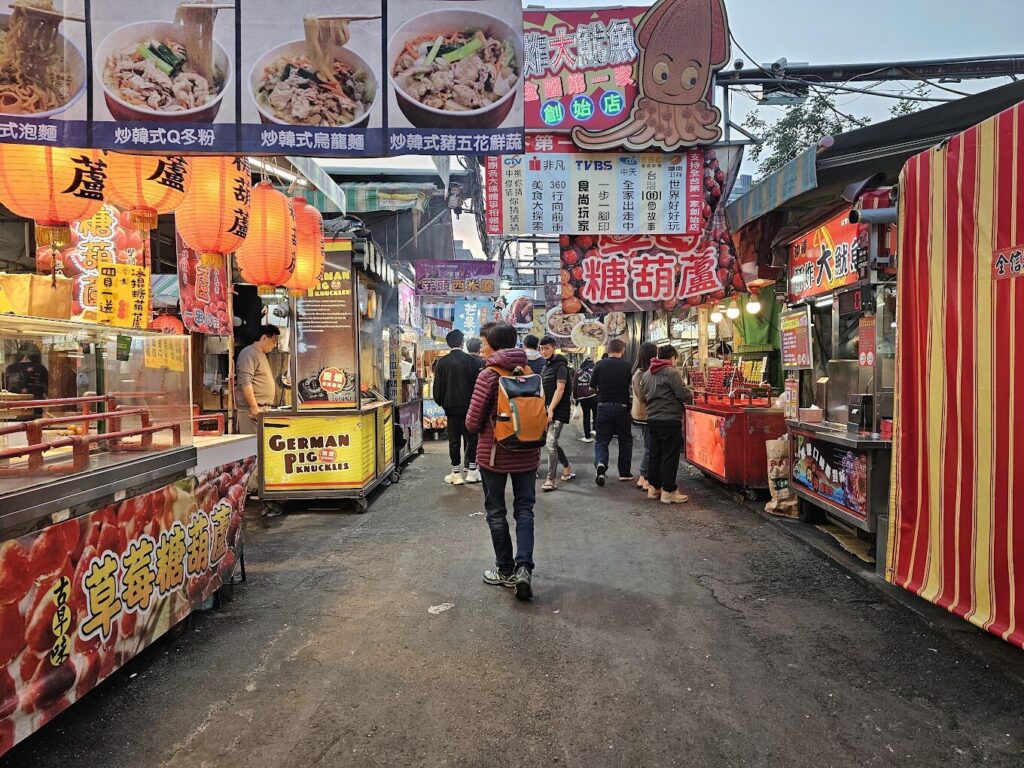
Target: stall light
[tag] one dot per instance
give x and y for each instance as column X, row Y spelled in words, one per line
column 826, row 302
column 716, row 316
column 732, row 312
column 753, row 306
column 281, row 173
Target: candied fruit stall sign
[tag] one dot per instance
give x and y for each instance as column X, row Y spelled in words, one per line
column 80, row 598
column 646, row 272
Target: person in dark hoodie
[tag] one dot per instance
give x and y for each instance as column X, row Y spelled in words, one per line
column 585, row 397
column 454, row 378
column 533, row 355
column 665, row 394
column 556, row 396
column 498, row 465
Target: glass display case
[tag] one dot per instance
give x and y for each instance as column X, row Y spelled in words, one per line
column 77, row 399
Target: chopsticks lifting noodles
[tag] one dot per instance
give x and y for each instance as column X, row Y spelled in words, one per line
column 198, row 19
column 325, row 37
column 36, row 10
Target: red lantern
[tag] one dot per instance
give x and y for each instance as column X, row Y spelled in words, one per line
column 147, row 185
column 167, row 324
column 214, row 216
column 267, row 257
column 309, row 251
column 53, row 186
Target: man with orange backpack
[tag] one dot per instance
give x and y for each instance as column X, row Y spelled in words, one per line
column 508, row 412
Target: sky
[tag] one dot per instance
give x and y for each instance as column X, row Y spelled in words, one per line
column 823, row 32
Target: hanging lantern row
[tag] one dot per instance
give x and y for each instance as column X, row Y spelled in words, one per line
column 215, row 205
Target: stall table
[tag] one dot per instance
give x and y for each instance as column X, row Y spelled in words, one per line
column 725, row 438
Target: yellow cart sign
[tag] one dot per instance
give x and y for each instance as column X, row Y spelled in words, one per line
column 318, row 452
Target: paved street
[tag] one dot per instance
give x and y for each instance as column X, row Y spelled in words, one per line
column 699, row 635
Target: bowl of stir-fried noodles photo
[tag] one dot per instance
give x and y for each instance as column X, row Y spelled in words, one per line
column 455, row 69
column 42, row 73
column 148, row 73
column 288, row 89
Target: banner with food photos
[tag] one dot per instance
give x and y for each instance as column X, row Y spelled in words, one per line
column 579, row 329
column 306, row 78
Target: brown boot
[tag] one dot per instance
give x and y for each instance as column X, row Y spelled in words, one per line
column 653, row 493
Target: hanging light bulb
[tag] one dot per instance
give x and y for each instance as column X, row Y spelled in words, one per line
column 753, row 306
column 732, row 312
column 716, row 315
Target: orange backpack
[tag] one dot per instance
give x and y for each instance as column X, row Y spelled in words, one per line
column 521, row 423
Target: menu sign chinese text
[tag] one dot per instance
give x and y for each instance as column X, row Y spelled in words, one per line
column 795, row 337
column 457, row 279
column 826, row 259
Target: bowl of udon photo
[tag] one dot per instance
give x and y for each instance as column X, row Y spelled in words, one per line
column 455, row 69
column 289, row 89
column 149, row 73
column 42, row 73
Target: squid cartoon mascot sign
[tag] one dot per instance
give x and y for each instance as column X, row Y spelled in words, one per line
column 682, row 44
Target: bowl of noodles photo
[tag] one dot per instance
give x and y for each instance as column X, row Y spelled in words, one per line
column 151, row 71
column 289, row 89
column 42, row 73
column 456, row 69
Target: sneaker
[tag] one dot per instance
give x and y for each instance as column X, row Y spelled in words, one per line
column 675, row 497
column 455, row 478
column 522, row 579
column 496, row 578
column 626, row 478
column 601, row 469
column 473, row 476
column 586, row 439
column 654, row 494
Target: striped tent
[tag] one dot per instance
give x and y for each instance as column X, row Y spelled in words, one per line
column 956, row 532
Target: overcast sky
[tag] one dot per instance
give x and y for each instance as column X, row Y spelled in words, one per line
column 824, row 32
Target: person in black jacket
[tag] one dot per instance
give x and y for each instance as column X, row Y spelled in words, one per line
column 454, row 379
column 557, row 396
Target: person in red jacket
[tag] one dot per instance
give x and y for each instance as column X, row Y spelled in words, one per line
column 498, row 465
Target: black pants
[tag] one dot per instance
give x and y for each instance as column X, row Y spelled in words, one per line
column 589, row 408
column 457, row 437
column 613, row 421
column 666, row 444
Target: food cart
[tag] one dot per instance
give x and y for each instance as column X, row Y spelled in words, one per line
column 336, row 439
column 838, row 349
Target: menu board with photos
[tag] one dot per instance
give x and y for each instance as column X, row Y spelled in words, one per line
column 795, row 338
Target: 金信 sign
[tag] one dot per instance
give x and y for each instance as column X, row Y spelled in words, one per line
column 640, row 273
column 682, row 44
column 1008, row 262
column 457, row 279
column 579, row 67
column 795, row 339
column 555, row 188
column 826, row 259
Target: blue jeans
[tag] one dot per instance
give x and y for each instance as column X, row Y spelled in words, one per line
column 613, row 419
column 645, row 462
column 524, row 494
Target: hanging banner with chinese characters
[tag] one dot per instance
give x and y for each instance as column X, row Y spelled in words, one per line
column 408, row 76
column 122, row 296
column 640, row 273
column 82, row 597
column 457, row 279
column 203, row 292
column 579, row 67
column 554, row 189
column 470, row 315
column 826, row 259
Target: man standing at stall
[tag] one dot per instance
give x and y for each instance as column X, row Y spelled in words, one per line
column 612, row 379
column 256, row 389
column 454, row 379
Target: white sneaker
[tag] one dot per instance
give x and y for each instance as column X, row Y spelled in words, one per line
column 473, row 476
column 455, row 478
column 586, row 439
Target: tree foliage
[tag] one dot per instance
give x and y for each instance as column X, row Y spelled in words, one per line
column 802, row 126
column 905, row 107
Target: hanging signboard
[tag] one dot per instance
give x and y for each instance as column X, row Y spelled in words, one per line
column 866, row 341
column 470, row 315
column 203, row 292
column 406, row 78
column 554, row 188
column 643, row 272
column 826, row 259
column 122, row 296
column 326, row 370
column 1008, row 262
column 408, row 307
column 682, row 44
column 578, row 329
column 579, row 67
column 457, row 279
column 795, row 339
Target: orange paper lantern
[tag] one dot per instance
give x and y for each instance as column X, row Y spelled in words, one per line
column 214, row 216
column 53, row 186
column 267, row 257
column 309, row 247
column 147, row 185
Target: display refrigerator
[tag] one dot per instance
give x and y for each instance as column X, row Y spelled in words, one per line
column 336, row 439
column 115, row 522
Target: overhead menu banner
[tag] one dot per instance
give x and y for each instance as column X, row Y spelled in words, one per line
column 457, row 279
column 307, row 78
column 554, row 188
column 579, row 67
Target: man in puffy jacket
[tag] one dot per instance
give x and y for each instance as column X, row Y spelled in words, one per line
column 665, row 395
column 454, row 378
column 498, row 465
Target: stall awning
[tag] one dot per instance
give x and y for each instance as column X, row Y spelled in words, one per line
column 797, row 176
column 370, row 198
